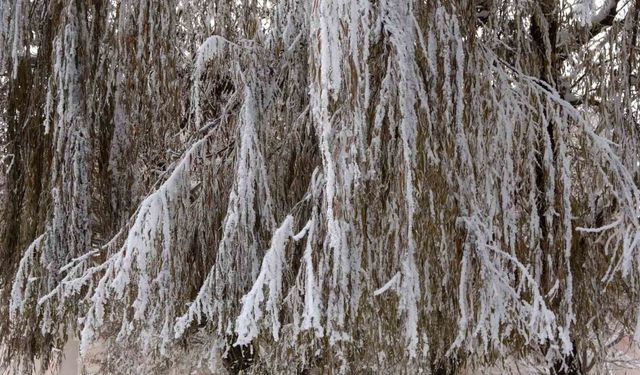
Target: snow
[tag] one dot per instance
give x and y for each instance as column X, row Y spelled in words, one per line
column 432, row 175
column 271, row 276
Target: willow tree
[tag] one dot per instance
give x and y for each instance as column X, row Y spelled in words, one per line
column 359, row 186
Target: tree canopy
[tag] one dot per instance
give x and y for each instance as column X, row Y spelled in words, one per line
column 370, row 186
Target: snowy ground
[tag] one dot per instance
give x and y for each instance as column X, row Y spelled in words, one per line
column 627, row 362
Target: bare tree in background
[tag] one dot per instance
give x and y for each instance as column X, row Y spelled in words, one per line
column 369, row 186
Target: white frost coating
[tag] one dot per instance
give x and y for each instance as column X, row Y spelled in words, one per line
column 330, row 52
column 584, row 11
column 391, row 284
column 604, row 11
column 67, row 232
column 17, row 47
column 628, row 195
column 339, row 156
column 311, row 314
column 603, row 228
column 238, row 242
column 403, row 38
column 271, row 276
column 434, row 153
column 5, row 13
column 95, row 316
column 565, row 332
column 636, row 336
column 214, row 47
column 463, row 321
column 153, row 228
column 20, row 289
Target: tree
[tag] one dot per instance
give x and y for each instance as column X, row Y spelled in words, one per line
column 337, row 184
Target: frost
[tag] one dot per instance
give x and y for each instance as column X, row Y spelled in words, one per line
column 271, row 276
column 444, row 165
